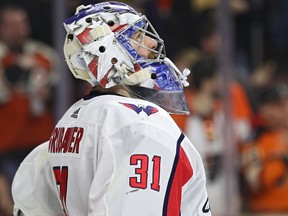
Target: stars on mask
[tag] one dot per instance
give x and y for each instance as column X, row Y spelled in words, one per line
column 74, row 26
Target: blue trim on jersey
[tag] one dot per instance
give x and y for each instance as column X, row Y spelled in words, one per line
column 176, row 160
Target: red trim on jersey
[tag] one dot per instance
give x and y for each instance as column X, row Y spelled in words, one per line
column 181, row 172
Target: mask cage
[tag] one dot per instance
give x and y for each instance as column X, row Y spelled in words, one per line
column 125, row 38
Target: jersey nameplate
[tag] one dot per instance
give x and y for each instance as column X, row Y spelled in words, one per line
column 66, row 140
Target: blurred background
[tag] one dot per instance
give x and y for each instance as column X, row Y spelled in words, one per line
column 237, row 51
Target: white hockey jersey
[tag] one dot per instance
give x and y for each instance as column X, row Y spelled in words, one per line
column 113, row 156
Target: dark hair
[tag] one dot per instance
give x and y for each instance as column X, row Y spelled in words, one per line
column 271, row 93
column 207, row 29
column 205, row 68
column 11, row 7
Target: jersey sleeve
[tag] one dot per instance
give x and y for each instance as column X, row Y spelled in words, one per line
column 32, row 187
column 143, row 170
column 195, row 192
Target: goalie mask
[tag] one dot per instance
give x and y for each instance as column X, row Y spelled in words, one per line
column 111, row 44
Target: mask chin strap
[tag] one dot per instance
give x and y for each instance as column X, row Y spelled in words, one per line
column 137, row 77
column 134, row 78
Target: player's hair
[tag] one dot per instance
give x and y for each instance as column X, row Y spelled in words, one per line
column 11, row 7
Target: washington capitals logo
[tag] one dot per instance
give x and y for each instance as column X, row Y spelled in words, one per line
column 149, row 110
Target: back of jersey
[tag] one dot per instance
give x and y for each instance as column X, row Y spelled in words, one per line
column 112, row 155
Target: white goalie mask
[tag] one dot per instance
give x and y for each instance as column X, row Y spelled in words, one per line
column 100, row 48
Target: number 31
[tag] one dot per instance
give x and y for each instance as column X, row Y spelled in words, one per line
column 142, row 171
